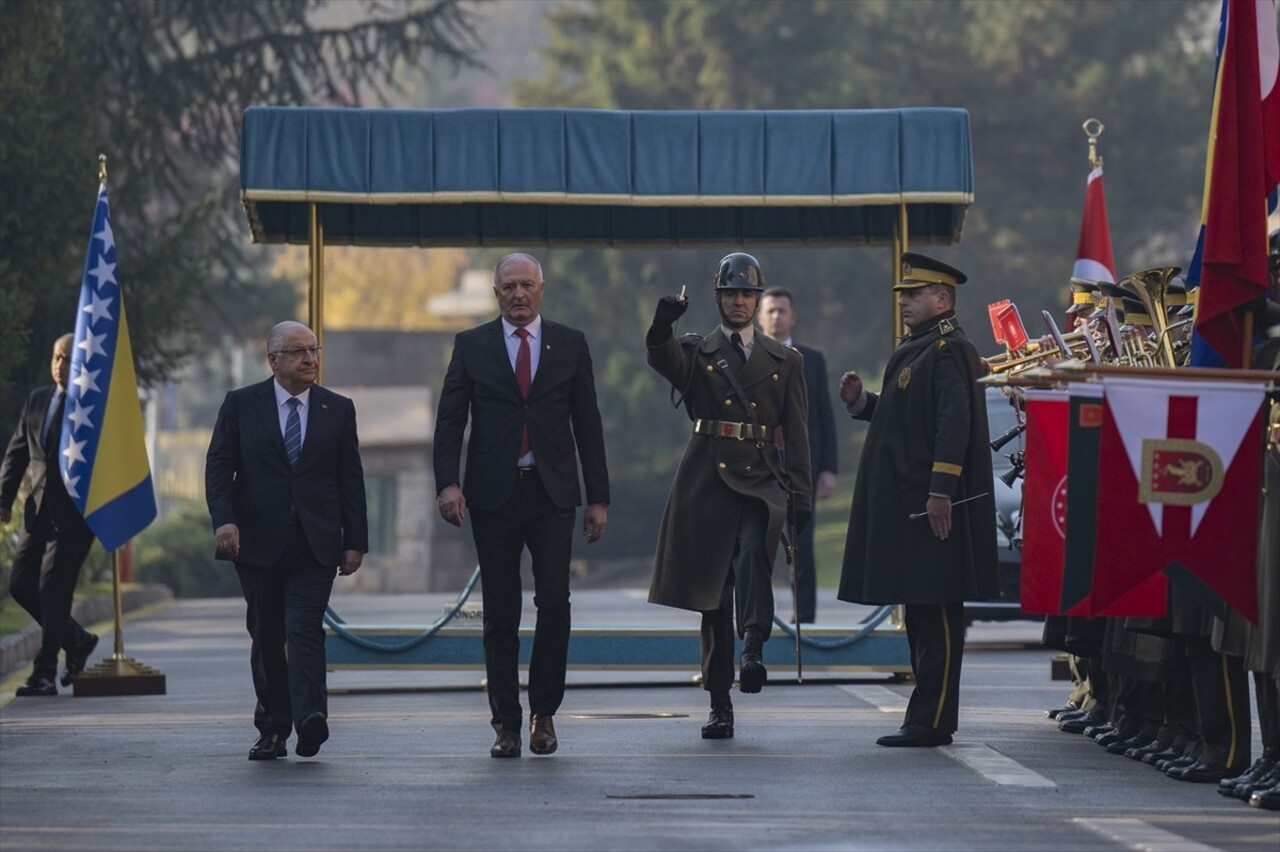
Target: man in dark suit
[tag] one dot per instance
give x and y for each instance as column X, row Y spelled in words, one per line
column 527, row 386
column 285, row 489
column 920, row 530
column 778, row 319
column 55, row 539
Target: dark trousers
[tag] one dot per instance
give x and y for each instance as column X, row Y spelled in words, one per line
column 1221, row 690
column 750, row 585
column 46, row 567
column 528, row 520
column 285, row 617
column 935, row 635
column 1267, row 691
column 806, row 591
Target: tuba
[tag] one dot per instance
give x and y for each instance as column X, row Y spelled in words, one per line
column 1151, row 287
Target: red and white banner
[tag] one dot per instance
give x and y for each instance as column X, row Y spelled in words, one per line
column 1044, row 503
column 1094, row 260
column 1179, row 483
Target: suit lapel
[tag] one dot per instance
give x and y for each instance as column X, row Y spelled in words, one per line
column 552, row 351
column 761, row 363
column 495, row 345
column 319, row 416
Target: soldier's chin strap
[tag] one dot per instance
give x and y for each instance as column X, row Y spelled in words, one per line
column 789, row 538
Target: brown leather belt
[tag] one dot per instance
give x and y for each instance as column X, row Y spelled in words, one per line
column 727, row 429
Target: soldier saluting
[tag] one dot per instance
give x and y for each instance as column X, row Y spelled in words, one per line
column 729, row 501
column 910, row 541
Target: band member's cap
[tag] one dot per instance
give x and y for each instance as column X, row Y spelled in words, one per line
column 1083, row 295
column 919, row 270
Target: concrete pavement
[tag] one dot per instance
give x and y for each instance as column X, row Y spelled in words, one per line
column 408, row 768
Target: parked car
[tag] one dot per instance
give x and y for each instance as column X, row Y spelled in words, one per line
column 1001, row 419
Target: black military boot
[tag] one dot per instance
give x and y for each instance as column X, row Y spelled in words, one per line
column 720, row 723
column 752, row 674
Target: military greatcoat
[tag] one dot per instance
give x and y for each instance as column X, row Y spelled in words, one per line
column 717, row 475
column 928, row 434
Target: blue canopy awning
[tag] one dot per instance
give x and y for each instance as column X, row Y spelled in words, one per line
column 522, row 177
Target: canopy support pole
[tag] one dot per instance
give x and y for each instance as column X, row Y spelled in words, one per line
column 315, row 290
column 900, row 244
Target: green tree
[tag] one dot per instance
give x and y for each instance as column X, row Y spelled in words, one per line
column 1028, row 72
column 159, row 86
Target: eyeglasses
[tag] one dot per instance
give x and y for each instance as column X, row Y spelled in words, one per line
column 313, row 351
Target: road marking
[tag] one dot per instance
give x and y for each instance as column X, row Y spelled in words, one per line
column 1136, row 834
column 994, row 766
column 883, row 699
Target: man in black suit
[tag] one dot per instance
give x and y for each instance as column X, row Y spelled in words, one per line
column 285, row 489
column 778, row 319
column 55, row 539
column 527, row 386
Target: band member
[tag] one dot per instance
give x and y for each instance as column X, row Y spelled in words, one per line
column 926, row 449
column 527, row 386
column 729, row 501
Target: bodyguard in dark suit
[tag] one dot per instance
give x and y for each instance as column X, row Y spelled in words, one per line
column 925, row 453
column 55, row 539
column 778, row 319
column 526, row 385
column 285, row 489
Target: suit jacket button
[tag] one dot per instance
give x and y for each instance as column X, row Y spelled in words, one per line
column 723, row 465
column 748, row 467
column 710, row 369
column 728, row 402
column 775, row 377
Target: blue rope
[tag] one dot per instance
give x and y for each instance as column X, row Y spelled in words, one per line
column 871, row 622
column 337, row 624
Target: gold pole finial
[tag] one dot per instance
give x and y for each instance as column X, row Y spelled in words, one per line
column 102, row 167
column 1093, row 129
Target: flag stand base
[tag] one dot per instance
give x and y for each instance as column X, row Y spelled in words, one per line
column 119, row 675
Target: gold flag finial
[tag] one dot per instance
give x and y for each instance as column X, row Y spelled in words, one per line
column 1093, row 129
column 102, row 167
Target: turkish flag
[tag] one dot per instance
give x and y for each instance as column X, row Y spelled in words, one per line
column 1180, row 466
column 1044, row 502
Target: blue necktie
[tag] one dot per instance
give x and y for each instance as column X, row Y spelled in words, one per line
column 293, row 431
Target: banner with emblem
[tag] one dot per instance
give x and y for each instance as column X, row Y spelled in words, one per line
column 1180, row 466
column 1044, row 501
column 1084, row 428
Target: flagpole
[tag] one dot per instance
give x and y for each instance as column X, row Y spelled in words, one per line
column 117, row 675
column 1093, row 129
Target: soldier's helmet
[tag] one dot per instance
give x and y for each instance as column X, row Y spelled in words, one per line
column 739, row 271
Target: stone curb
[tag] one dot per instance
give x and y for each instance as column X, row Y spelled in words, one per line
column 18, row 649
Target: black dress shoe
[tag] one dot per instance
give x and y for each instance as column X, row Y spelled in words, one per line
column 1064, row 715
column 1178, row 763
column 915, row 736
column 719, row 724
column 1201, row 773
column 1078, row 724
column 268, row 747
column 312, row 732
column 1055, row 713
column 1266, row 799
column 506, row 745
column 37, row 686
column 1243, row 789
column 1107, row 737
column 1255, row 773
column 752, row 674
column 77, row 657
column 1154, row 758
column 1141, row 751
column 542, row 734
column 1095, row 731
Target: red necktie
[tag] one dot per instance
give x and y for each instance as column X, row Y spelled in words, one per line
column 523, row 379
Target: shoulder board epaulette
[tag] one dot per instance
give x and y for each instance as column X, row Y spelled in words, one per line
column 691, row 337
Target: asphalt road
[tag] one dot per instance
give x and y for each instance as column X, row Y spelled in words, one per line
column 408, row 767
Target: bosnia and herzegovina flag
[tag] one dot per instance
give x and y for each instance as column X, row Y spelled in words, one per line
column 103, row 451
column 1242, row 172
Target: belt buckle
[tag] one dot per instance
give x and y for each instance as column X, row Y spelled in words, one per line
column 731, row 430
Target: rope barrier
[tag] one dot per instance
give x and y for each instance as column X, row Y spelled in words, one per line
column 337, row 624
column 871, row 622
